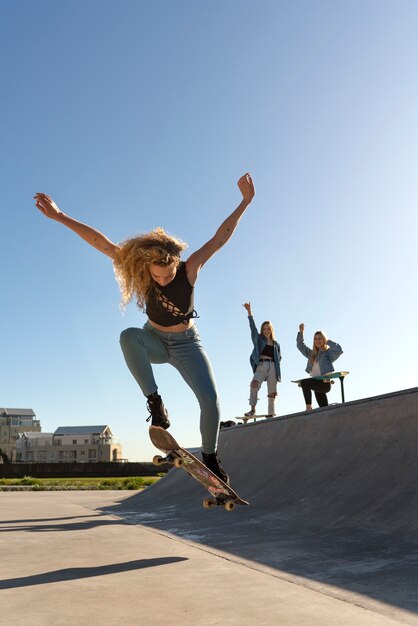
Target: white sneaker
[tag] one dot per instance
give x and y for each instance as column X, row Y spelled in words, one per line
column 249, row 414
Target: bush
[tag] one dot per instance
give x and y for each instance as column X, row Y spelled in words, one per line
column 28, row 480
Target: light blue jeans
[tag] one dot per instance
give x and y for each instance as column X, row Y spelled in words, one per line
column 184, row 350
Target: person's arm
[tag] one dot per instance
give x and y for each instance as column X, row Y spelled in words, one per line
column 302, row 347
column 334, row 350
column 96, row 239
column 253, row 329
column 197, row 260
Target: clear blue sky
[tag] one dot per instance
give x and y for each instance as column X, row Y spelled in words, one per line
column 134, row 114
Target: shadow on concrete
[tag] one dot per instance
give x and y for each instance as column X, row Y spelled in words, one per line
column 76, row 573
column 333, row 498
column 44, row 519
column 72, row 526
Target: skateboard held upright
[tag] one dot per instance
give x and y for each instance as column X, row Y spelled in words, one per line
column 221, row 493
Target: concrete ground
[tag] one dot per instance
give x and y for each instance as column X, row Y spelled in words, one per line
column 329, row 539
column 64, row 562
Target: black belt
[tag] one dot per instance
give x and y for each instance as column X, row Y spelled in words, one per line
column 266, row 360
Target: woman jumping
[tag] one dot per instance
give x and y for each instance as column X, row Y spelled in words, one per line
column 149, row 268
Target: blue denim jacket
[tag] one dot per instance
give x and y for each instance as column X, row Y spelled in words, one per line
column 325, row 357
column 259, row 344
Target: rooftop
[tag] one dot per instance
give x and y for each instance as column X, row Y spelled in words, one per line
column 17, row 412
column 30, row 435
column 81, row 430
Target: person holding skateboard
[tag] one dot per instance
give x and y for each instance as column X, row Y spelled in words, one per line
column 149, row 268
column 320, row 359
column 265, row 362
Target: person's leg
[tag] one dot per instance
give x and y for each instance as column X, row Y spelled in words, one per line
column 259, row 377
column 307, row 393
column 188, row 356
column 321, row 389
column 271, row 389
column 141, row 347
column 254, row 387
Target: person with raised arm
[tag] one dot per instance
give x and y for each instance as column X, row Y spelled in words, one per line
column 320, row 361
column 149, row 268
column 265, row 362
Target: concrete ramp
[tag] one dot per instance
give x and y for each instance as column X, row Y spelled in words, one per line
column 333, row 499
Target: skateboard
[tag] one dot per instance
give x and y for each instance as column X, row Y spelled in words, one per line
column 245, row 418
column 327, row 378
column 221, row 493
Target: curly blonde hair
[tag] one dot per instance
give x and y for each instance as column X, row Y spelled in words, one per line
column 132, row 260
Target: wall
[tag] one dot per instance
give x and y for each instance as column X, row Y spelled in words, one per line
column 64, row 470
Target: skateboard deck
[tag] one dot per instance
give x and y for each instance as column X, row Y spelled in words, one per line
column 245, row 418
column 222, row 494
column 326, row 378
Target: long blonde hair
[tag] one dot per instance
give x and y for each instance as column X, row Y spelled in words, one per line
column 314, row 353
column 271, row 329
column 133, row 258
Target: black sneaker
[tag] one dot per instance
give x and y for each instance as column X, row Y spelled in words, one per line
column 214, row 464
column 158, row 413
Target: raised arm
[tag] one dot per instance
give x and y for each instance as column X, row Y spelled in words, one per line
column 96, row 239
column 302, row 347
column 254, row 332
column 335, row 350
column 196, row 261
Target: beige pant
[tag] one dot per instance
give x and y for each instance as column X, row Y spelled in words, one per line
column 265, row 371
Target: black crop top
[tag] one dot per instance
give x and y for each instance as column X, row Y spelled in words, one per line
column 174, row 303
column 268, row 351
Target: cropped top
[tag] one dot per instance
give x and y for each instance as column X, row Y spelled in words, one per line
column 268, row 351
column 174, row 303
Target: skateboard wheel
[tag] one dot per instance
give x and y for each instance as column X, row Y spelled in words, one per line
column 229, row 505
column 208, row 503
column 158, row 460
column 178, row 462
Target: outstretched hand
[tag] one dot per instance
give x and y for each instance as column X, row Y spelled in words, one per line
column 301, row 328
column 246, row 187
column 247, row 307
column 46, row 205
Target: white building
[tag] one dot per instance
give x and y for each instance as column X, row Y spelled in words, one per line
column 34, row 448
column 12, row 423
column 70, row 444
